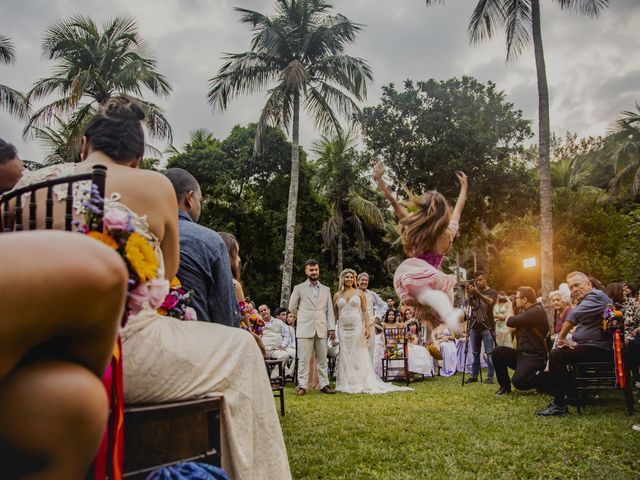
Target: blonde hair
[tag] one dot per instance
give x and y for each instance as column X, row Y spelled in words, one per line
column 343, row 274
column 428, row 219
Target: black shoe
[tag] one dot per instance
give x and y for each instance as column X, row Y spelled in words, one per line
column 489, row 381
column 553, row 410
column 471, row 380
column 502, row 391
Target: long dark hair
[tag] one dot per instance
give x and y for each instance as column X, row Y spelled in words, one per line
column 233, row 248
column 615, row 292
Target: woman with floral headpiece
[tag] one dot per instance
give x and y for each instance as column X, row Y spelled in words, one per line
column 355, row 369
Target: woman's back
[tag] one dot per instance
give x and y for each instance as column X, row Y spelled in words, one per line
column 145, row 193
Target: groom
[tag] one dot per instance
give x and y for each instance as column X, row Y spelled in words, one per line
column 311, row 304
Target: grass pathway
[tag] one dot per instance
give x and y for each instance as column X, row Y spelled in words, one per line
column 445, row 431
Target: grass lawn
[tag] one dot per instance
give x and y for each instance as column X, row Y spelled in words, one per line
column 445, row 431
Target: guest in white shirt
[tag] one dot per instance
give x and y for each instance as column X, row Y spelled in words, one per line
column 282, row 314
column 275, row 336
column 377, row 309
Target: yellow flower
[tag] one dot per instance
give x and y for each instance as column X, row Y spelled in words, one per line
column 141, row 256
column 104, row 238
column 175, row 284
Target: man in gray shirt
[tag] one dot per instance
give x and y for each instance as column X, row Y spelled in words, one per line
column 204, row 260
column 589, row 342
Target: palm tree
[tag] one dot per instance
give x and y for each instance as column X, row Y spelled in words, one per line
column 11, row 100
column 339, row 180
column 92, row 65
column 300, row 51
column 521, row 22
column 626, row 153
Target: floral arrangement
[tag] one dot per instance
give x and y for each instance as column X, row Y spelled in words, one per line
column 612, row 319
column 177, row 303
column 251, row 319
column 613, row 322
column 118, row 232
column 395, row 347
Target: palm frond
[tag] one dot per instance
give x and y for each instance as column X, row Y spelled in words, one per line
column 243, row 73
column 351, row 73
column 517, row 26
column 7, row 50
column 358, row 231
column 155, row 121
column 323, row 115
column 277, row 112
column 14, row 102
column 592, row 8
column 486, row 17
column 365, row 210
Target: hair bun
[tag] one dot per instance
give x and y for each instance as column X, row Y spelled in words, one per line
column 122, row 108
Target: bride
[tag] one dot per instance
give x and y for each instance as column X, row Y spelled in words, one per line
column 355, row 370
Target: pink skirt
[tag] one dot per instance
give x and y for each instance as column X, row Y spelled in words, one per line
column 414, row 274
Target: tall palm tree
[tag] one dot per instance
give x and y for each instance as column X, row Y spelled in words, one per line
column 300, row 52
column 339, row 180
column 521, row 22
column 11, row 100
column 92, row 65
column 626, row 153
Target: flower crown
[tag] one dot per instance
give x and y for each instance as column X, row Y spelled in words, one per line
column 348, row 270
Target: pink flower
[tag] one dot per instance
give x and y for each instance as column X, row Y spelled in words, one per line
column 116, row 219
column 158, row 290
column 170, row 302
column 190, row 314
column 137, row 297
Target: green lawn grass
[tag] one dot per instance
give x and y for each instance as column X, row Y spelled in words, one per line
column 445, row 431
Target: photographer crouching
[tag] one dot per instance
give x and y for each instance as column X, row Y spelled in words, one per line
column 532, row 329
column 480, row 330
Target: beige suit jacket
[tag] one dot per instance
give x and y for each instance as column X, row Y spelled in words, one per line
column 313, row 316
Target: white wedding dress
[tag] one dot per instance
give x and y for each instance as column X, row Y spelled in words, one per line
column 355, row 370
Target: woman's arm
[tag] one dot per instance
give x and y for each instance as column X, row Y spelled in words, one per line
column 462, row 197
column 365, row 314
column 335, row 306
column 378, row 173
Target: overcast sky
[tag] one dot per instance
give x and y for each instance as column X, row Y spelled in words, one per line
column 593, row 66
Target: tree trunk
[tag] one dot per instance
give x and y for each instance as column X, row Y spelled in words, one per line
column 340, row 253
column 544, row 129
column 287, row 266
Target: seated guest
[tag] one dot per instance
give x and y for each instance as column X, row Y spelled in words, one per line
column 247, row 309
column 204, row 262
column 281, row 314
column 166, row 359
column 444, row 340
column 589, row 342
column 530, row 357
column 561, row 308
column 275, row 336
column 11, row 166
column 389, row 319
column 419, row 360
column 65, row 295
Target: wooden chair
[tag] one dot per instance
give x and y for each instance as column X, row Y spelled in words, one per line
column 591, row 377
column 13, row 208
column 277, row 383
column 395, row 350
column 160, row 435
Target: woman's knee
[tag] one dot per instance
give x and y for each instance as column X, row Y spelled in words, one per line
column 48, row 408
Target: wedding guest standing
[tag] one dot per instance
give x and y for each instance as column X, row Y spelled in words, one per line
column 377, row 308
column 501, row 311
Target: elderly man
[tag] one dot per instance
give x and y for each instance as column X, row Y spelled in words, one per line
column 589, row 342
column 276, row 334
column 11, row 166
column 377, row 308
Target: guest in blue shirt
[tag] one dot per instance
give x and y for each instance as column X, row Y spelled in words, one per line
column 204, row 261
column 589, row 342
